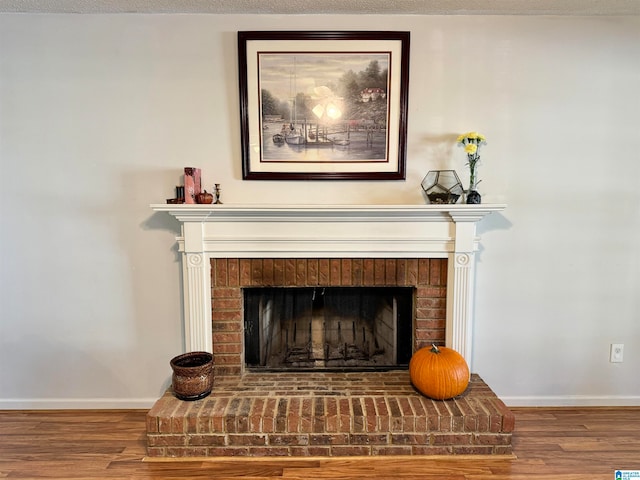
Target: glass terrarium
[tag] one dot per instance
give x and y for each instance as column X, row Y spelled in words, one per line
column 442, row 186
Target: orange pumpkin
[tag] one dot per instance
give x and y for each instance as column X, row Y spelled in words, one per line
column 439, row 372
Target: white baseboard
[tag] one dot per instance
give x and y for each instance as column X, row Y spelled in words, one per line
column 76, row 403
column 147, row 403
column 572, row 401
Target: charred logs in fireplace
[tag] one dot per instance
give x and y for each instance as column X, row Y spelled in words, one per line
column 300, row 328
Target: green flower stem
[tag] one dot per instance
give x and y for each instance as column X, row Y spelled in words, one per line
column 473, row 160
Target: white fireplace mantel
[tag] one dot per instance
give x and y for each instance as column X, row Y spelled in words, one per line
column 328, row 231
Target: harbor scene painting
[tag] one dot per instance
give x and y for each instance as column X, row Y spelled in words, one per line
column 328, row 107
column 323, row 105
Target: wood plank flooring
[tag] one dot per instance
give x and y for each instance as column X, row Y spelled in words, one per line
column 549, row 443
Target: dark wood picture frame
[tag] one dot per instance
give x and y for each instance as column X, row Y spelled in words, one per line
column 318, row 105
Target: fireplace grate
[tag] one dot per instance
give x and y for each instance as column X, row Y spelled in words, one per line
column 329, row 328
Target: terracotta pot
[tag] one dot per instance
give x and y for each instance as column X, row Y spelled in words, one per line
column 192, row 375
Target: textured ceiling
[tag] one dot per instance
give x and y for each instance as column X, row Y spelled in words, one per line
column 348, row 7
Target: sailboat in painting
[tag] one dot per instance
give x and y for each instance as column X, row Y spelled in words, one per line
column 292, row 135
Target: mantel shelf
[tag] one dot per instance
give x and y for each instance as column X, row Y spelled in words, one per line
column 336, row 213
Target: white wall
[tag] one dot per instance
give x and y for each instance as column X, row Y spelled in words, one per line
column 98, row 115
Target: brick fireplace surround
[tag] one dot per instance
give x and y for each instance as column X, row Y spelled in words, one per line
column 325, row 414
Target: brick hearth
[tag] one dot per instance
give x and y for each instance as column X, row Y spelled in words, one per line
column 328, row 414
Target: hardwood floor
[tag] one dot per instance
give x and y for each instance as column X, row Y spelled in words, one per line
column 549, row 443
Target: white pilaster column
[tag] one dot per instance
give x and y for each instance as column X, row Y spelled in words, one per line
column 196, row 276
column 460, row 304
column 460, row 290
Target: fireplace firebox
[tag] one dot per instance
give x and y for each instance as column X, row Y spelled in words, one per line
column 328, row 328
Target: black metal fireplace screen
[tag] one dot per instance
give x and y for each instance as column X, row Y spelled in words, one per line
column 328, row 328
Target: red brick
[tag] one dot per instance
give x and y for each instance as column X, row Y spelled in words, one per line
column 267, row 272
column 278, row 271
column 328, row 439
column 229, row 318
column 166, row 440
column 331, row 416
column 492, row 439
column 313, row 451
column 206, row 440
column 233, row 272
column 357, row 421
column 281, row 415
column 412, row 277
column 156, row 452
column 368, row 272
column 245, row 271
column 401, row 272
column 433, row 416
column 226, row 293
column 430, row 323
column 269, row 451
column 452, row 438
column 246, row 439
column 186, row 451
column 379, row 276
column 393, row 450
column 290, row 275
column 228, row 452
column 256, row 272
column 472, row 449
column 431, row 302
column 508, row 418
column 306, row 416
column 357, row 272
column 410, row 439
column 255, row 415
column 346, row 277
column 177, row 417
column 219, row 272
column 301, row 273
column 390, row 272
column 324, row 272
column 350, row 450
column 423, row 271
column 226, row 303
column 431, row 450
column 345, row 415
column 232, row 338
column 335, row 276
column 434, row 272
column 191, row 418
column 428, row 337
column 227, row 359
column 242, row 415
column 502, row 450
column 269, row 416
column 369, row 439
column 293, row 415
column 371, row 423
column 288, row 440
column 313, row 272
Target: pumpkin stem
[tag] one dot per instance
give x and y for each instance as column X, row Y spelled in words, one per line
column 434, row 348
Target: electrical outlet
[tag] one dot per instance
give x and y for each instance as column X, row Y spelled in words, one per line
column 617, row 351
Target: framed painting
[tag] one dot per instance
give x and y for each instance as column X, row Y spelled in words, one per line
column 323, row 105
